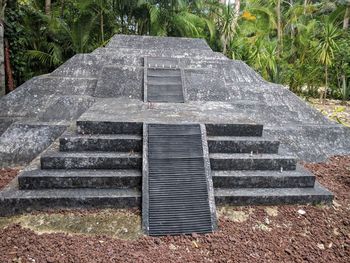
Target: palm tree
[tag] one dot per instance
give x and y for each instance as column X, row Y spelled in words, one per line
column 227, row 24
column 326, row 48
column 263, row 56
column 79, row 34
column 99, row 7
column 175, row 19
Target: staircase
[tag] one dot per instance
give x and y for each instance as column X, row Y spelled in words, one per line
column 251, row 169
column 163, row 80
column 86, row 168
column 101, row 164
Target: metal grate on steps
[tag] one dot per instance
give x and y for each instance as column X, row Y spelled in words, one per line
column 178, row 191
column 163, row 81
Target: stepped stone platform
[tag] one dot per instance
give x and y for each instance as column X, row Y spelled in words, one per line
column 82, row 132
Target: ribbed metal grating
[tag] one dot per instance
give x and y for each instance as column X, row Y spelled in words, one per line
column 164, row 85
column 178, row 192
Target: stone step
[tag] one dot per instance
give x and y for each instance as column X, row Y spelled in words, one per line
column 98, row 179
column 155, row 72
column 91, row 160
column 108, row 127
column 244, row 161
column 263, row 179
column 236, row 129
column 165, row 89
column 166, row 98
column 240, row 144
column 273, row 196
column 164, row 80
column 13, row 201
column 110, row 142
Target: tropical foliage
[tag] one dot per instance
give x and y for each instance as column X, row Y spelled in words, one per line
column 302, row 44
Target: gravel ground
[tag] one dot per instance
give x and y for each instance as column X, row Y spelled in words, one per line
column 246, row 234
column 335, row 110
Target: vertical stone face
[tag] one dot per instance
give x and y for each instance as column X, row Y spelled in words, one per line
column 2, row 61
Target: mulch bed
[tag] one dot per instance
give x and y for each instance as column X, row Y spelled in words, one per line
column 6, row 176
column 294, row 234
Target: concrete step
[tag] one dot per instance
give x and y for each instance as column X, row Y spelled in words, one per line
column 164, row 80
column 164, row 89
column 14, row 201
column 91, row 160
column 94, row 179
column 237, row 129
column 154, row 72
column 273, row 196
column 263, row 179
column 166, row 98
column 244, row 161
column 240, row 144
column 110, row 142
column 108, row 127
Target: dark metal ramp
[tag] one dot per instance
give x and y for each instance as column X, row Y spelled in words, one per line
column 177, row 182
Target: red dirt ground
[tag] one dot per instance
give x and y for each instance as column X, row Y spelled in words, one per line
column 321, row 234
column 6, row 175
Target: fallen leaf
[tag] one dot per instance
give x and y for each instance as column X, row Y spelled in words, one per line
column 194, row 243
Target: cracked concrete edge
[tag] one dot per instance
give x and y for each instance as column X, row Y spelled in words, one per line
column 145, row 182
column 209, row 179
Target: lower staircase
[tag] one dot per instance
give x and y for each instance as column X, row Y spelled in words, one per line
column 251, row 169
column 102, row 164
column 85, row 168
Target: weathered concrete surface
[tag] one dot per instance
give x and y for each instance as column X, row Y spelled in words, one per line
column 124, row 110
column 147, row 42
column 21, row 141
column 118, row 82
column 269, row 196
column 216, row 88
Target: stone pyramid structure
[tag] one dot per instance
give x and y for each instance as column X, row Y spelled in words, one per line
column 165, row 124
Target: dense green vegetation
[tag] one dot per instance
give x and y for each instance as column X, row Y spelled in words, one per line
column 303, row 44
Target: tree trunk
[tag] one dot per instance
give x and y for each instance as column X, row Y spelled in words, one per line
column 344, row 87
column 324, row 93
column 62, row 7
column 305, row 5
column 122, row 22
column 346, row 18
column 292, row 31
column 8, row 69
column 237, row 7
column 2, row 62
column 224, row 46
column 279, row 38
column 2, row 57
column 102, row 28
column 47, row 7
column 279, row 28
